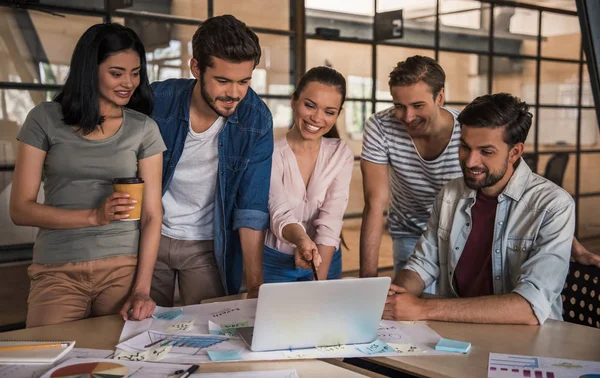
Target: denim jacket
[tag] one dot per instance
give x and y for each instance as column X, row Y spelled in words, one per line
column 533, row 233
column 245, row 150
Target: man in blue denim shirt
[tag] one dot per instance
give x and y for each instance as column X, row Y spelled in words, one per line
column 216, row 170
column 499, row 239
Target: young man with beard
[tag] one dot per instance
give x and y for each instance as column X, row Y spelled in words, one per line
column 216, row 171
column 409, row 152
column 499, row 239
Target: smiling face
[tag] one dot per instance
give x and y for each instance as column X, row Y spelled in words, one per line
column 416, row 107
column 316, row 110
column 119, row 77
column 486, row 159
column 224, row 84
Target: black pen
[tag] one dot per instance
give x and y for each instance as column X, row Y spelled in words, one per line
column 189, row 371
column 312, row 265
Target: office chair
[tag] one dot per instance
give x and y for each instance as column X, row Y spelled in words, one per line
column 580, row 295
column 555, row 169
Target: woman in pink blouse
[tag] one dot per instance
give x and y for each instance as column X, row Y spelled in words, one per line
column 310, row 182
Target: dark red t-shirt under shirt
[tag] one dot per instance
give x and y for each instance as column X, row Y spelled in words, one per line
column 473, row 273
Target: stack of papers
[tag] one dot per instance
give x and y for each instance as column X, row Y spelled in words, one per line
column 207, row 332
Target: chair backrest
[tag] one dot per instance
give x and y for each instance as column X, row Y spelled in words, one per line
column 531, row 160
column 581, row 295
column 555, row 169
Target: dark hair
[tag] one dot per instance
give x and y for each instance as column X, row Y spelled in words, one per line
column 499, row 110
column 79, row 97
column 227, row 38
column 419, row 68
column 327, row 76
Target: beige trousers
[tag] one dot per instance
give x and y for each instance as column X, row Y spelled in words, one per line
column 61, row 293
column 193, row 264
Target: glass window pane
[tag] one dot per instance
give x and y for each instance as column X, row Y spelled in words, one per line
column 362, row 7
column 466, row 76
column 587, row 98
column 348, row 24
column 464, row 24
column 589, row 183
column 589, row 225
column 561, row 36
column 272, row 75
column 559, row 83
column 419, row 20
column 558, row 127
column 590, row 138
column 272, row 14
column 282, row 113
column 515, row 31
column 352, row 120
column 356, row 70
column 515, row 76
column 379, row 106
column 387, row 58
column 16, row 104
column 41, row 54
column 569, row 177
column 196, row 9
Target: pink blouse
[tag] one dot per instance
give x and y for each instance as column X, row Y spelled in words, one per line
column 320, row 207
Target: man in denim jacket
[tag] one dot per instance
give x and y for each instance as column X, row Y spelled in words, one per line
column 499, row 239
column 216, row 170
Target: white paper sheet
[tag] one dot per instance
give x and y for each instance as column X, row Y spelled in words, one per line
column 136, row 369
column 220, row 313
column 161, row 370
column 36, row 370
column 513, row 366
column 405, row 338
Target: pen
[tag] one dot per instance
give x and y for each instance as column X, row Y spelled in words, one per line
column 32, row 346
column 154, row 343
column 312, row 265
column 189, row 371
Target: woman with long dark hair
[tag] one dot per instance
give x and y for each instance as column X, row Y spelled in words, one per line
column 88, row 260
column 310, row 183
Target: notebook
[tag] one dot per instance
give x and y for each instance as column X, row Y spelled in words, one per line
column 42, row 352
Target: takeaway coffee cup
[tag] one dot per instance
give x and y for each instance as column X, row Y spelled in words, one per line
column 134, row 186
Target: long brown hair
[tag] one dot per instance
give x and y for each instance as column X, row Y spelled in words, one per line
column 327, row 76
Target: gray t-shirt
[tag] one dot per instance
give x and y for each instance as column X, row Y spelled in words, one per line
column 78, row 174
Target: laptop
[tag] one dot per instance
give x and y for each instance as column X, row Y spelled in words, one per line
column 295, row 315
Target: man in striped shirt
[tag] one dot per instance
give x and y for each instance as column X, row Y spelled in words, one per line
column 409, row 152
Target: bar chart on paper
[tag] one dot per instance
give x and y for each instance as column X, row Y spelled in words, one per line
column 513, row 366
column 185, row 341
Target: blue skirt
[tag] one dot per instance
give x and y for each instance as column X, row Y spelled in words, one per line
column 280, row 267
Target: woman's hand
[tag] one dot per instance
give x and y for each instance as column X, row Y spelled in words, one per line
column 113, row 204
column 138, row 306
column 306, row 251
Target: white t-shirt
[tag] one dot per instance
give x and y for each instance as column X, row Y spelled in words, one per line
column 188, row 204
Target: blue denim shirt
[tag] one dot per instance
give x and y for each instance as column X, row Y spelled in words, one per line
column 245, row 150
column 533, row 233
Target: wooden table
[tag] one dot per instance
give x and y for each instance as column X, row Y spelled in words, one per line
column 103, row 333
column 553, row 339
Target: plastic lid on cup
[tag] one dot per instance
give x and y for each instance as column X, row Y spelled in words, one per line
column 128, row 180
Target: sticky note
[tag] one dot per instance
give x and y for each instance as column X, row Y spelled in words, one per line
column 158, row 352
column 224, row 355
column 448, row 345
column 181, row 326
column 169, row 315
column 376, row 347
column 406, row 348
column 132, row 356
column 217, row 329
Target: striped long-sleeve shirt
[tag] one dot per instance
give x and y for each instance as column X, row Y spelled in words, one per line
column 414, row 181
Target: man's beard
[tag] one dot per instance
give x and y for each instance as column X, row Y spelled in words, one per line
column 212, row 103
column 490, row 179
